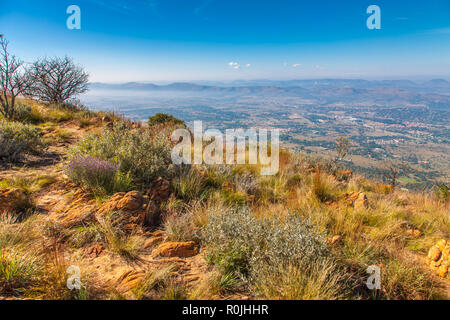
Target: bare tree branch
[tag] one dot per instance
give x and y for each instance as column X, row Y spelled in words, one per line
column 14, row 80
column 57, row 80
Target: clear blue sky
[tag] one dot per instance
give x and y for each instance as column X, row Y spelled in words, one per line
column 151, row 40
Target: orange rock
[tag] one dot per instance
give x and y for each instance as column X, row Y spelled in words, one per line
column 414, row 233
column 442, row 271
column 177, row 249
column 334, row 240
column 434, row 254
column 129, row 209
column 438, row 258
column 95, row 250
column 361, row 202
column 131, row 201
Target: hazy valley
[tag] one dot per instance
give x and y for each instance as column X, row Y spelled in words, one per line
column 394, row 119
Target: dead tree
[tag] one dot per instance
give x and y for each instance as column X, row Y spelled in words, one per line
column 57, row 80
column 392, row 170
column 343, row 146
column 14, row 80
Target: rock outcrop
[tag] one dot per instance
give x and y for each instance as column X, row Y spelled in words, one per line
column 177, row 249
column 358, row 200
column 438, row 258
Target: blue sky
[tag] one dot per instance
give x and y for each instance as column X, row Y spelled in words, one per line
column 172, row 40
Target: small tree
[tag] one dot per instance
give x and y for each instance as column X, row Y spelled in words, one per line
column 160, row 118
column 342, row 149
column 392, row 170
column 57, row 80
column 14, row 80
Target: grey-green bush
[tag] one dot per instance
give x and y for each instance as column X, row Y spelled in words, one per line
column 139, row 152
column 17, row 139
column 263, row 251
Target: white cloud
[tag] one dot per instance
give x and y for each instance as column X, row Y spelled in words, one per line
column 295, row 65
column 248, row 65
column 234, row 65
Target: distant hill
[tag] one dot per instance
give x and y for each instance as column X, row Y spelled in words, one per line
column 342, row 90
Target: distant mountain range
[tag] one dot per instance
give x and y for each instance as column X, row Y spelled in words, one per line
column 439, row 86
column 320, row 90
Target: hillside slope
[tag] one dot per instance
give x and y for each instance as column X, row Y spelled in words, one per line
column 103, row 197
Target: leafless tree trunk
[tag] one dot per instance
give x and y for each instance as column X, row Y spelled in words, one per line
column 392, row 170
column 14, row 80
column 56, row 80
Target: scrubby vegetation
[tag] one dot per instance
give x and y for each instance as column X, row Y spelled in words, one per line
column 140, row 153
column 281, row 256
column 101, row 177
column 308, row 232
column 18, row 139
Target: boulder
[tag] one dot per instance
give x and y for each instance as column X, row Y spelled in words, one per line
column 177, row 249
column 121, row 201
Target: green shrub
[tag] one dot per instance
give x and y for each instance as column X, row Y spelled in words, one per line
column 22, row 112
column 17, row 139
column 442, row 193
column 85, row 234
column 17, row 271
column 190, row 185
column 138, row 152
column 163, row 118
column 180, row 228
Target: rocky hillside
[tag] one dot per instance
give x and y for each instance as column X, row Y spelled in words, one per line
column 95, row 193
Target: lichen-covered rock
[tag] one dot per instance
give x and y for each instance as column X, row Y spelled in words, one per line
column 438, row 258
column 177, row 249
